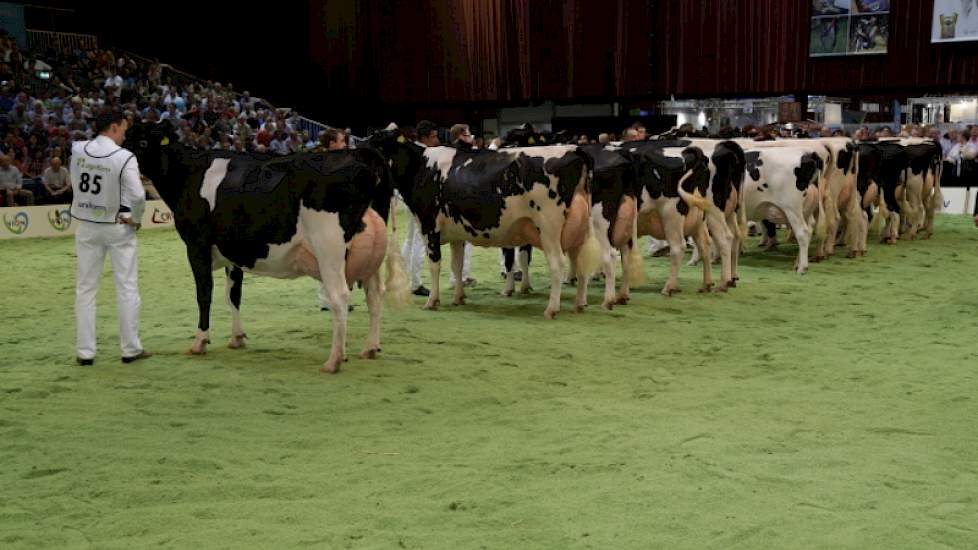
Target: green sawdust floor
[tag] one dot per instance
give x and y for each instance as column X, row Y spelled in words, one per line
column 833, row 410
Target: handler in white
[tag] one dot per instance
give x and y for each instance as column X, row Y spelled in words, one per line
column 108, row 201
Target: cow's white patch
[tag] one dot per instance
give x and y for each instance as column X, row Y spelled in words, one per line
column 440, row 157
column 466, row 163
column 212, row 180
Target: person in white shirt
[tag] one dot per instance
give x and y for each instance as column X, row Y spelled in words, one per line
column 108, row 201
column 114, row 85
column 57, row 182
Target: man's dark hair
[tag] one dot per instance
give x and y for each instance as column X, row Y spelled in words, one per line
column 330, row 135
column 966, row 135
column 108, row 117
column 425, row 128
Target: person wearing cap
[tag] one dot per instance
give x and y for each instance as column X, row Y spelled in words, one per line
column 108, row 201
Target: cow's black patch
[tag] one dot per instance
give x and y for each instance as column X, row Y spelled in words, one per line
column 844, row 161
column 754, row 162
column 728, row 163
column 809, row 166
column 613, row 181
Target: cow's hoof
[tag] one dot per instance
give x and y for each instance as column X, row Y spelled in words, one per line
column 669, row 291
column 852, row 254
column 608, row 305
column 802, row 271
column 369, row 353
column 706, row 288
column 506, row 294
column 733, row 282
column 723, row 288
column 623, row 300
column 818, row 259
column 579, row 309
column 550, row 314
column 199, row 348
column 331, row 366
column 526, row 291
column 237, row 342
column 432, row 306
column 459, row 301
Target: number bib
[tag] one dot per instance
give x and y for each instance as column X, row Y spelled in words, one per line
column 96, row 182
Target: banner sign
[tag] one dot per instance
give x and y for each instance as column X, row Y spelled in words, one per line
column 54, row 221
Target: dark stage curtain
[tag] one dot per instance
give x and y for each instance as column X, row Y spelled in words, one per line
column 421, row 51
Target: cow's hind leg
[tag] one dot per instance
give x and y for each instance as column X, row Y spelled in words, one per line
column 200, row 264
column 458, row 260
column 325, row 236
column 232, row 294
column 701, row 239
column 554, row 255
column 374, row 290
column 526, row 253
column 509, row 257
column 433, row 242
column 672, row 223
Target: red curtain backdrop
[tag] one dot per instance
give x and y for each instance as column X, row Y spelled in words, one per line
column 424, row 54
column 427, row 51
column 760, row 47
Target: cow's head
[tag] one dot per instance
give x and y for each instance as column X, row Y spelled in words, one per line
column 403, row 156
column 151, row 142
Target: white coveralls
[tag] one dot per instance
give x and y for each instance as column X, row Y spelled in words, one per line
column 106, row 186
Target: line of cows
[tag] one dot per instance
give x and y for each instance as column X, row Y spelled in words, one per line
column 325, row 215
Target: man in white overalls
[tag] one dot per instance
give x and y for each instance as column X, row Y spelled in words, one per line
column 108, row 201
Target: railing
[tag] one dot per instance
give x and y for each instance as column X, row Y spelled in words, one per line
column 312, row 126
column 61, row 40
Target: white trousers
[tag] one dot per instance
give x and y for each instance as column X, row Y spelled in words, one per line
column 466, row 265
column 655, row 245
column 414, row 252
column 92, row 242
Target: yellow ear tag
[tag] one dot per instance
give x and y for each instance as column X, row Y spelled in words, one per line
column 400, row 139
column 166, row 141
column 531, row 141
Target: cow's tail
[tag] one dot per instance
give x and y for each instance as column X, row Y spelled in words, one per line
column 693, row 199
column 821, row 224
column 589, row 257
column 937, row 203
column 874, row 225
column 636, row 271
column 397, row 292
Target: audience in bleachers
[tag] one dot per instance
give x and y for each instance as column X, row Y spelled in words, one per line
column 40, row 117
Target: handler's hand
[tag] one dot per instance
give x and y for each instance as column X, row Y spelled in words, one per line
column 131, row 222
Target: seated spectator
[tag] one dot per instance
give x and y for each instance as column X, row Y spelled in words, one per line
column 280, row 144
column 36, row 165
column 57, row 183
column 12, row 185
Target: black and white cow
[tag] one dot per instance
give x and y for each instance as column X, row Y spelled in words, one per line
column 921, row 194
column 506, row 198
column 783, row 186
column 881, row 180
column 714, row 172
column 321, row 215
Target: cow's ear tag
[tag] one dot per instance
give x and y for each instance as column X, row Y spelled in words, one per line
column 166, row 141
column 400, row 139
column 531, row 141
